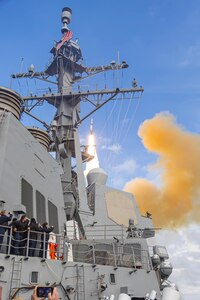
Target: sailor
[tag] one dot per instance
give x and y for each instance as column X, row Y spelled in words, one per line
column 21, row 234
column 12, row 229
column 4, row 224
column 34, row 227
column 44, row 239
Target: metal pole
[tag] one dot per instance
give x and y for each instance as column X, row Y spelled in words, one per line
column 114, row 254
column 34, row 117
column 28, row 238
column 99, row 106
column 65, row 249
column 133, row 257
column 10, row 240
column 44, row 245
column 93, row 252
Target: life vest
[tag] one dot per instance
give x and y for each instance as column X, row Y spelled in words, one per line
column 52, row 250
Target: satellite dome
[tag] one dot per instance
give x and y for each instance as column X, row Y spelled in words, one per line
column 98, row 176
column 165, row 269
column 155, row 260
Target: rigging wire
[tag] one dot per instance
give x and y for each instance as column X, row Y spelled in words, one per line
column 121, row 136
column 20, row 89
column 116, row 124
column 132, row 119
column 125, row 116
column 118, row 129
column 108, row 118
column 111, row 113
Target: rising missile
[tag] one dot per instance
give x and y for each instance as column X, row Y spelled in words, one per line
column 91, row 126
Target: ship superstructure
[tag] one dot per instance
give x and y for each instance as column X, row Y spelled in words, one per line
column 99, row 245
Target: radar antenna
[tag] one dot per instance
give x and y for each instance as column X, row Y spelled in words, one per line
column 66, row 66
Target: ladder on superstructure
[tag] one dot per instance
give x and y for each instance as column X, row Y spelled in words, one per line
column 80, row 283
column 15, row 276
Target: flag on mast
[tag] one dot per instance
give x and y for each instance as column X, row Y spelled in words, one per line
column 66, row 37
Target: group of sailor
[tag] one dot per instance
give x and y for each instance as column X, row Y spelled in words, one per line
column 23, row 232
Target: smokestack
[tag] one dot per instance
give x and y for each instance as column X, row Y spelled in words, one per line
column 41, row 136
column 10, row 101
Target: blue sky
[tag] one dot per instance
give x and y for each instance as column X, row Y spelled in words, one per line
column 160, row 41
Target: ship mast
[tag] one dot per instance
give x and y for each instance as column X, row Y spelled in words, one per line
column 67, row 67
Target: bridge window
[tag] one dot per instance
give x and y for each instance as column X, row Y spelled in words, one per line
column 40, row 207
column 112, row 278
column 27, row 197
column 34, row 277
column 53, row 216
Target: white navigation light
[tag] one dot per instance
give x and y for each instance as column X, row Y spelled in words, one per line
column 31, row 68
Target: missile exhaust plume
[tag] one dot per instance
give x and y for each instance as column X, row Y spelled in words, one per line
column 91, row 149
column 177, row 201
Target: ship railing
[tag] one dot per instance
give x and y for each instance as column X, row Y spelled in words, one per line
column 105, row 231
column 33, row 243
column 54, row 90
column 60, row 247
column 111, row 254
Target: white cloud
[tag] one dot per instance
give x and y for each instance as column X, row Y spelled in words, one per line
column 183, row 246
column 125, row 121
column 191, row 57
column 128, row 167
column 115, row 148
column 119, row 173
column 153, row 173
column 118, row 182
column 184, row 63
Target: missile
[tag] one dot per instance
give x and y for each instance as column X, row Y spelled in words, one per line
column 91, row 126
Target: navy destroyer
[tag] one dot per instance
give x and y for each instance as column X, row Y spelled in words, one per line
column 97, row 247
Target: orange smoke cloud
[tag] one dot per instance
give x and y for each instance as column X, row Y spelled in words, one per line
column 177, row 201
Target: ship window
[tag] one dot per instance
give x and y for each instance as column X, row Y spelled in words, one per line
column 34, row 277
column 27, row 197
column 112, row 278
column 40, row 207
column 53, row 216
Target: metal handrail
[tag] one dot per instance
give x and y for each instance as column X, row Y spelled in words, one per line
column 105, row 231
column 86, row 251
column 12, row 245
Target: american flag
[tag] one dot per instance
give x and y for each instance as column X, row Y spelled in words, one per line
column 66, row 37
